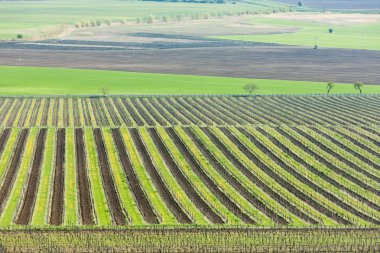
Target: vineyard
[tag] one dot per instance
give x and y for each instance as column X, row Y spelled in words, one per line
column 224, row 110
column 266, row 161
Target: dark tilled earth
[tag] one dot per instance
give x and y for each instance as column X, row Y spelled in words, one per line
column 201, row 57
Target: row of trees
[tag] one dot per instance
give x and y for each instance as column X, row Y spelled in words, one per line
column 252, row 87
column 357, row 86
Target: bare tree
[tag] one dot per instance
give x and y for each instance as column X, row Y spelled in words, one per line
column 359, row 86
column 330, row 86
column 104, row 91
column 250, row 88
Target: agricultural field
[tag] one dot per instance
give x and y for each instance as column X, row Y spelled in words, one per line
column 354, row 31
column 42, row 19
column 248, row 160
column 189, row 126
column 32, row 81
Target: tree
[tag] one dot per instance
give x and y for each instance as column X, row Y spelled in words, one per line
column 250, row 88
column 300, row 3
column 331, row 30
column 330, row 86
column 104, row 91
column 359, row 86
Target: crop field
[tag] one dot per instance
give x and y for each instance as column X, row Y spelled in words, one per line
column 313, row 29
column 180, row 110
column 39, row 19
column 61, row 81
column 267, row 161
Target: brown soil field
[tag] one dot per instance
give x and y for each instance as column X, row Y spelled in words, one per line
column 57, row 206
column 267, row 62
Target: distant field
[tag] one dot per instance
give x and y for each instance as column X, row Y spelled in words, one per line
column 346, row 5
column 45, row 81
column 313, row 28
column 43, row 18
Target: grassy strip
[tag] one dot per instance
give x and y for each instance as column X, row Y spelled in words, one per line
column 116, row 111
column 91, row 113
column 71, row 197
column 41, row 211
column 100, row 201
column 16, row 194
column 81, row 113
column 175, row 188
column 20, row 112
column 30, row 112
column 40, row 112
column 106, row 112
column 122, row 186
column 46, row 81
column 8, row 151
column 7, row 116
column 60, row 113
column 161, row 209
column 50, row 112
column 71, row 112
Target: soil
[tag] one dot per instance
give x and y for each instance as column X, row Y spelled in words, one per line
column 27, row 206
column 57, row 202
column 86, row 206
column 266, row 62
column 116, row 208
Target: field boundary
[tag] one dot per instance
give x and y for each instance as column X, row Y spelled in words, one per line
column 189, row 95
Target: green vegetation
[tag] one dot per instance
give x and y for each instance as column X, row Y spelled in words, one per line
column 202, row 239
column 121, row 181
column 268, row 161
column 17, row 193
column 41, row 213
column 163, row 212
column 26, row 19
column 47, row 81
column 102, row 212
column 355, row 36
column 71, row 201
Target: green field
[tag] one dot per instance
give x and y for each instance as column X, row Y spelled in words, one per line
column 364, row 36
column 59, row 81
column 44, row 18
column 267, row 161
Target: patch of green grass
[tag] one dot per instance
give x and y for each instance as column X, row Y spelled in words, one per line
column 364, row 36
column 48, row 81
column 71, row 201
